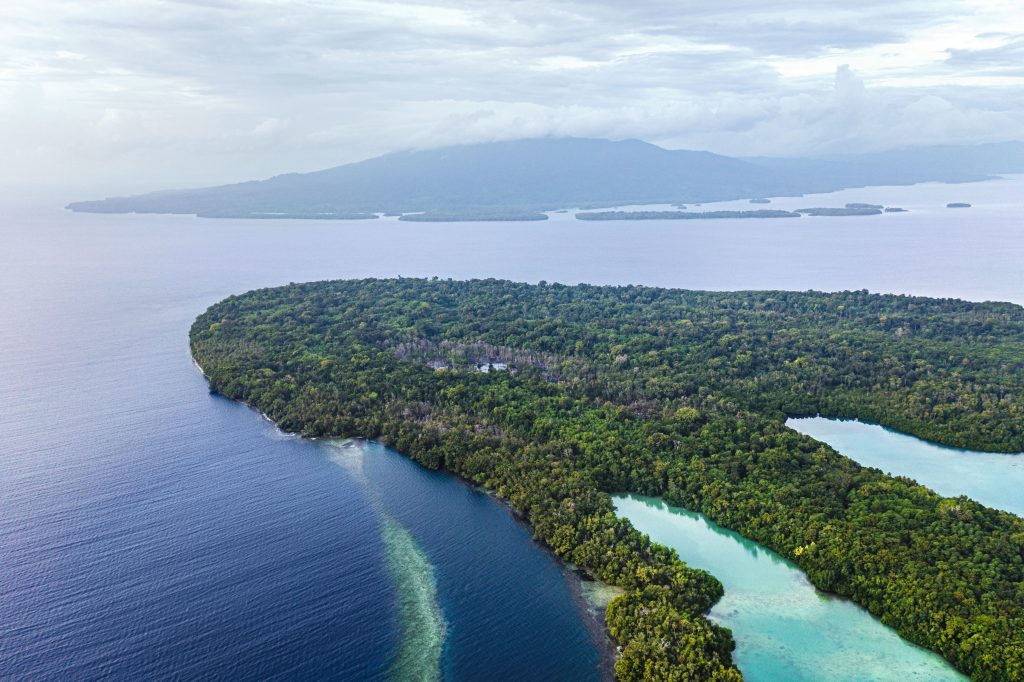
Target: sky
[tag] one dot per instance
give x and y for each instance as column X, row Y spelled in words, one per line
column 121, row 96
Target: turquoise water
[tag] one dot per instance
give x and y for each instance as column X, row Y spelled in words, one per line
column 784, row 628
column 994, row 480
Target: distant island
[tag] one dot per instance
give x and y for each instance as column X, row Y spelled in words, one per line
column 485, row 216
column 681, row 395
column 683, row 215
column 760, row 201
column 528, row 177
column 852, row 209
column 957, row 204
column 325, row 215
column 846, row 211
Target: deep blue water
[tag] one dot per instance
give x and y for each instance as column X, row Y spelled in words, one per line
column 503, row 602
column 149, row 529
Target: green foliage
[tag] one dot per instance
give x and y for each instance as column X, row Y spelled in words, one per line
column 681, row 394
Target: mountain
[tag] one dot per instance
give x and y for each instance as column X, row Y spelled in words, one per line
column 506, row 178
column 534, row 174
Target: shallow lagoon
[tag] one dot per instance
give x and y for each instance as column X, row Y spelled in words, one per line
column 995, row 480
column 784, row 628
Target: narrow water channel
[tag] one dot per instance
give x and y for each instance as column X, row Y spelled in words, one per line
column 784, row 628
column 993, row 479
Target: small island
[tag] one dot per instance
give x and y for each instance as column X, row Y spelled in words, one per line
column 683, row 215
column 847, row 211
column 760, row 201
column 311, row 215
column 468, row 217
column 895, row 209
column 877, row 207
column 958, row 204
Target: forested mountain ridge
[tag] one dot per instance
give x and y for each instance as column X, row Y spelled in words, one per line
column 507, row 178
column 680, row 394
column 524, row 174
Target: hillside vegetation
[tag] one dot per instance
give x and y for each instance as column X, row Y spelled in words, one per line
column 524, row 177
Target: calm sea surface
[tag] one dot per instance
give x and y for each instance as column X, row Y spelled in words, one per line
column 148, row 529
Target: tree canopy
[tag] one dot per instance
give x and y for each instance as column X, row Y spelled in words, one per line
column 679, row 394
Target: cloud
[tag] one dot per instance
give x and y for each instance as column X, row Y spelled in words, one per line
column 848, row 116
column 1007, row 58
column 136, row 94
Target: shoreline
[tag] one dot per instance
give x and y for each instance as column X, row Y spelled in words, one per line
column 593, row 620
column 591, row 615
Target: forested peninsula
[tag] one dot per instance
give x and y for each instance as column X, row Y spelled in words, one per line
column 678, row 394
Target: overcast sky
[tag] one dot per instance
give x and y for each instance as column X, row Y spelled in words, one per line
column 116, row 96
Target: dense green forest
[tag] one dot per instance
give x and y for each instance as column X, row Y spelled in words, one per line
column 679, row 394
column 848, row 211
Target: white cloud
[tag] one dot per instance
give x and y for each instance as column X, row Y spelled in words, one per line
column 126, row 95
